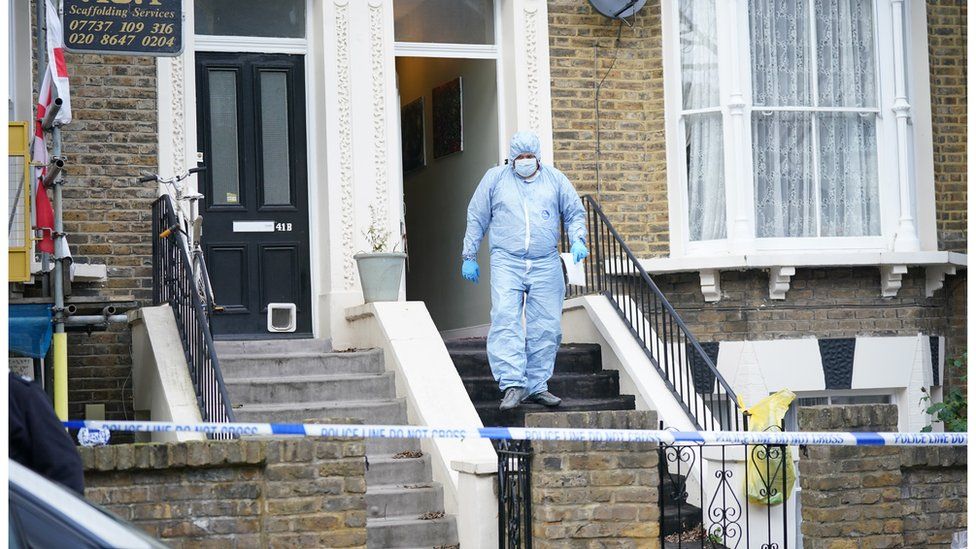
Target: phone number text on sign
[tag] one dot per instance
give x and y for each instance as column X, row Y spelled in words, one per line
column 140, row 27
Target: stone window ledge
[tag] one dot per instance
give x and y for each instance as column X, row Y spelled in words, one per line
column 782, row 266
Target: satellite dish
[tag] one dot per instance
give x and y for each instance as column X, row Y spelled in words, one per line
column 618, row 9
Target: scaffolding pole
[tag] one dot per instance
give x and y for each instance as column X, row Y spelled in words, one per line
column 60, row 338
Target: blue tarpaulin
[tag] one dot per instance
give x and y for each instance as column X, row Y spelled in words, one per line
column 30, row 329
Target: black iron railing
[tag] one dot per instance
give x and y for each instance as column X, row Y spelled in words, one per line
column 514, row 494
column 687, row 370
column 173, row 283
column 742, row 494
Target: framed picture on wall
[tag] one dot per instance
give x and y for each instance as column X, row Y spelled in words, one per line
column 446, row 109
column 412, row 135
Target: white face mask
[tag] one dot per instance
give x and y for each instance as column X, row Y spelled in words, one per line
column 525, row 166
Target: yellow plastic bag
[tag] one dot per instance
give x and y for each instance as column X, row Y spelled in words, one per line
column 766, row 465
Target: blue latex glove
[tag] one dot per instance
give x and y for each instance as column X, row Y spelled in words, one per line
column 579, row 251
column 469, row 270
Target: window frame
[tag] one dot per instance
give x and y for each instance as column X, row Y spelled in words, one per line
column 736, row 108
column 20, row 56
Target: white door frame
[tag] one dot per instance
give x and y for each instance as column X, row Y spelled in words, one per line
column 176, row 87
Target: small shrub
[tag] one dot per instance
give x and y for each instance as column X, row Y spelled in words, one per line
column 951, row 412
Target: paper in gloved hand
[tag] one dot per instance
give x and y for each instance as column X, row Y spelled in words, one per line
column 575, row 275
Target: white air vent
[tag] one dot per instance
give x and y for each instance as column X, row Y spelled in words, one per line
column 282, row 317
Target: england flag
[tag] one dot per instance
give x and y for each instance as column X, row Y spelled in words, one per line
column 55, row 81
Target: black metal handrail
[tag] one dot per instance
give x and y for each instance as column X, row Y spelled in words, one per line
column 173, row 283
column 613, row 271
column 514, row 494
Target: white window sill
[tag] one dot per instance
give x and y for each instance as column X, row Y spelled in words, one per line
column 782, row 267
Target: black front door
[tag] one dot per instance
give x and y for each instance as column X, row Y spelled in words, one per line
column 251, row 130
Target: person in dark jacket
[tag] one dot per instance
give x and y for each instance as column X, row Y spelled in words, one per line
column 38, row 441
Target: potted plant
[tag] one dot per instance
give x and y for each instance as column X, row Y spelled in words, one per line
column 381, row 269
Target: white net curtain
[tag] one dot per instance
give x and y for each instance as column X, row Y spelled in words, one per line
column 702, row 119
column 813, row 124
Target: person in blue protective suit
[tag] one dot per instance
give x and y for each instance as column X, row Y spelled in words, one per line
column 520, row 206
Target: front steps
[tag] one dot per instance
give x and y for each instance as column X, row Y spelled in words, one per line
column 297, row 380
column 578, row 378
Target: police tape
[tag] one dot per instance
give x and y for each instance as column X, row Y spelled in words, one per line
column 528, row 433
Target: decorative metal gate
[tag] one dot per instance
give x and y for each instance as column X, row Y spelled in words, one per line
column 726, row 496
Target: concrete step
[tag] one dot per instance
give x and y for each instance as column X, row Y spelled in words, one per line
column 571, row 358
column 403, row 500
column 392, row 412
column 312, row 388
column 273, row 346
column 679, row 518
column 306, row 362
column 491, row 416
column 602, row 384
column 411, row 532
column 385, row 469
column 387, row 447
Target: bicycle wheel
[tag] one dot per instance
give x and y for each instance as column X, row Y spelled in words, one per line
column 201, row 279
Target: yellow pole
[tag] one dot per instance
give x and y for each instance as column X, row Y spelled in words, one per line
column 61, row 375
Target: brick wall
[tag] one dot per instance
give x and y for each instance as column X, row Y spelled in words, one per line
column 877, row 496
column 112, row 137
column 837, row 302
column 587, row 494
column 933, row 491
column 956, row 341
column 244, row 493
column 947, row 67
column 947, row 78
column 632, row 170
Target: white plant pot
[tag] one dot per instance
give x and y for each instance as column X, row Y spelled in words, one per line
column 380, row 275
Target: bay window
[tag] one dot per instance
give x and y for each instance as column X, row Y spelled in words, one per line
column 782, row 122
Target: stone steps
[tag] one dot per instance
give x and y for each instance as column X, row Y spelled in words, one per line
column 385, row 469
column 301, row 363
column 602, row 384
column 390, row 411
column 491, row 416
column 471, row 360
column 578, row 378
column 380, row 448
column 271, row 346
column 312, row 388
column 411, row 532
column 404, row 500
column 297, row 380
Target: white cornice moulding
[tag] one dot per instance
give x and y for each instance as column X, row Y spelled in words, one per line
column 891, row 279
column 935, row 277
column 779, row 281
column 766, row 260
column 458, row 51
column 711, row 285
column 782, row 268
column 254, row 44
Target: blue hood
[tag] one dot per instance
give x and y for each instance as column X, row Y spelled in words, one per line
column 524, row 142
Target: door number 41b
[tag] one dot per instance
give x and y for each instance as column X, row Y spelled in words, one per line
column 283, row 227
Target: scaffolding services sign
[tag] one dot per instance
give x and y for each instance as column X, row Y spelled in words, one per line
column 136, row 27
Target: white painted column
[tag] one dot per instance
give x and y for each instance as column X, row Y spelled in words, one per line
column 525, row 69
column 739, row 178
column 176, row 106
column 361, row 136
column 906, row 237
